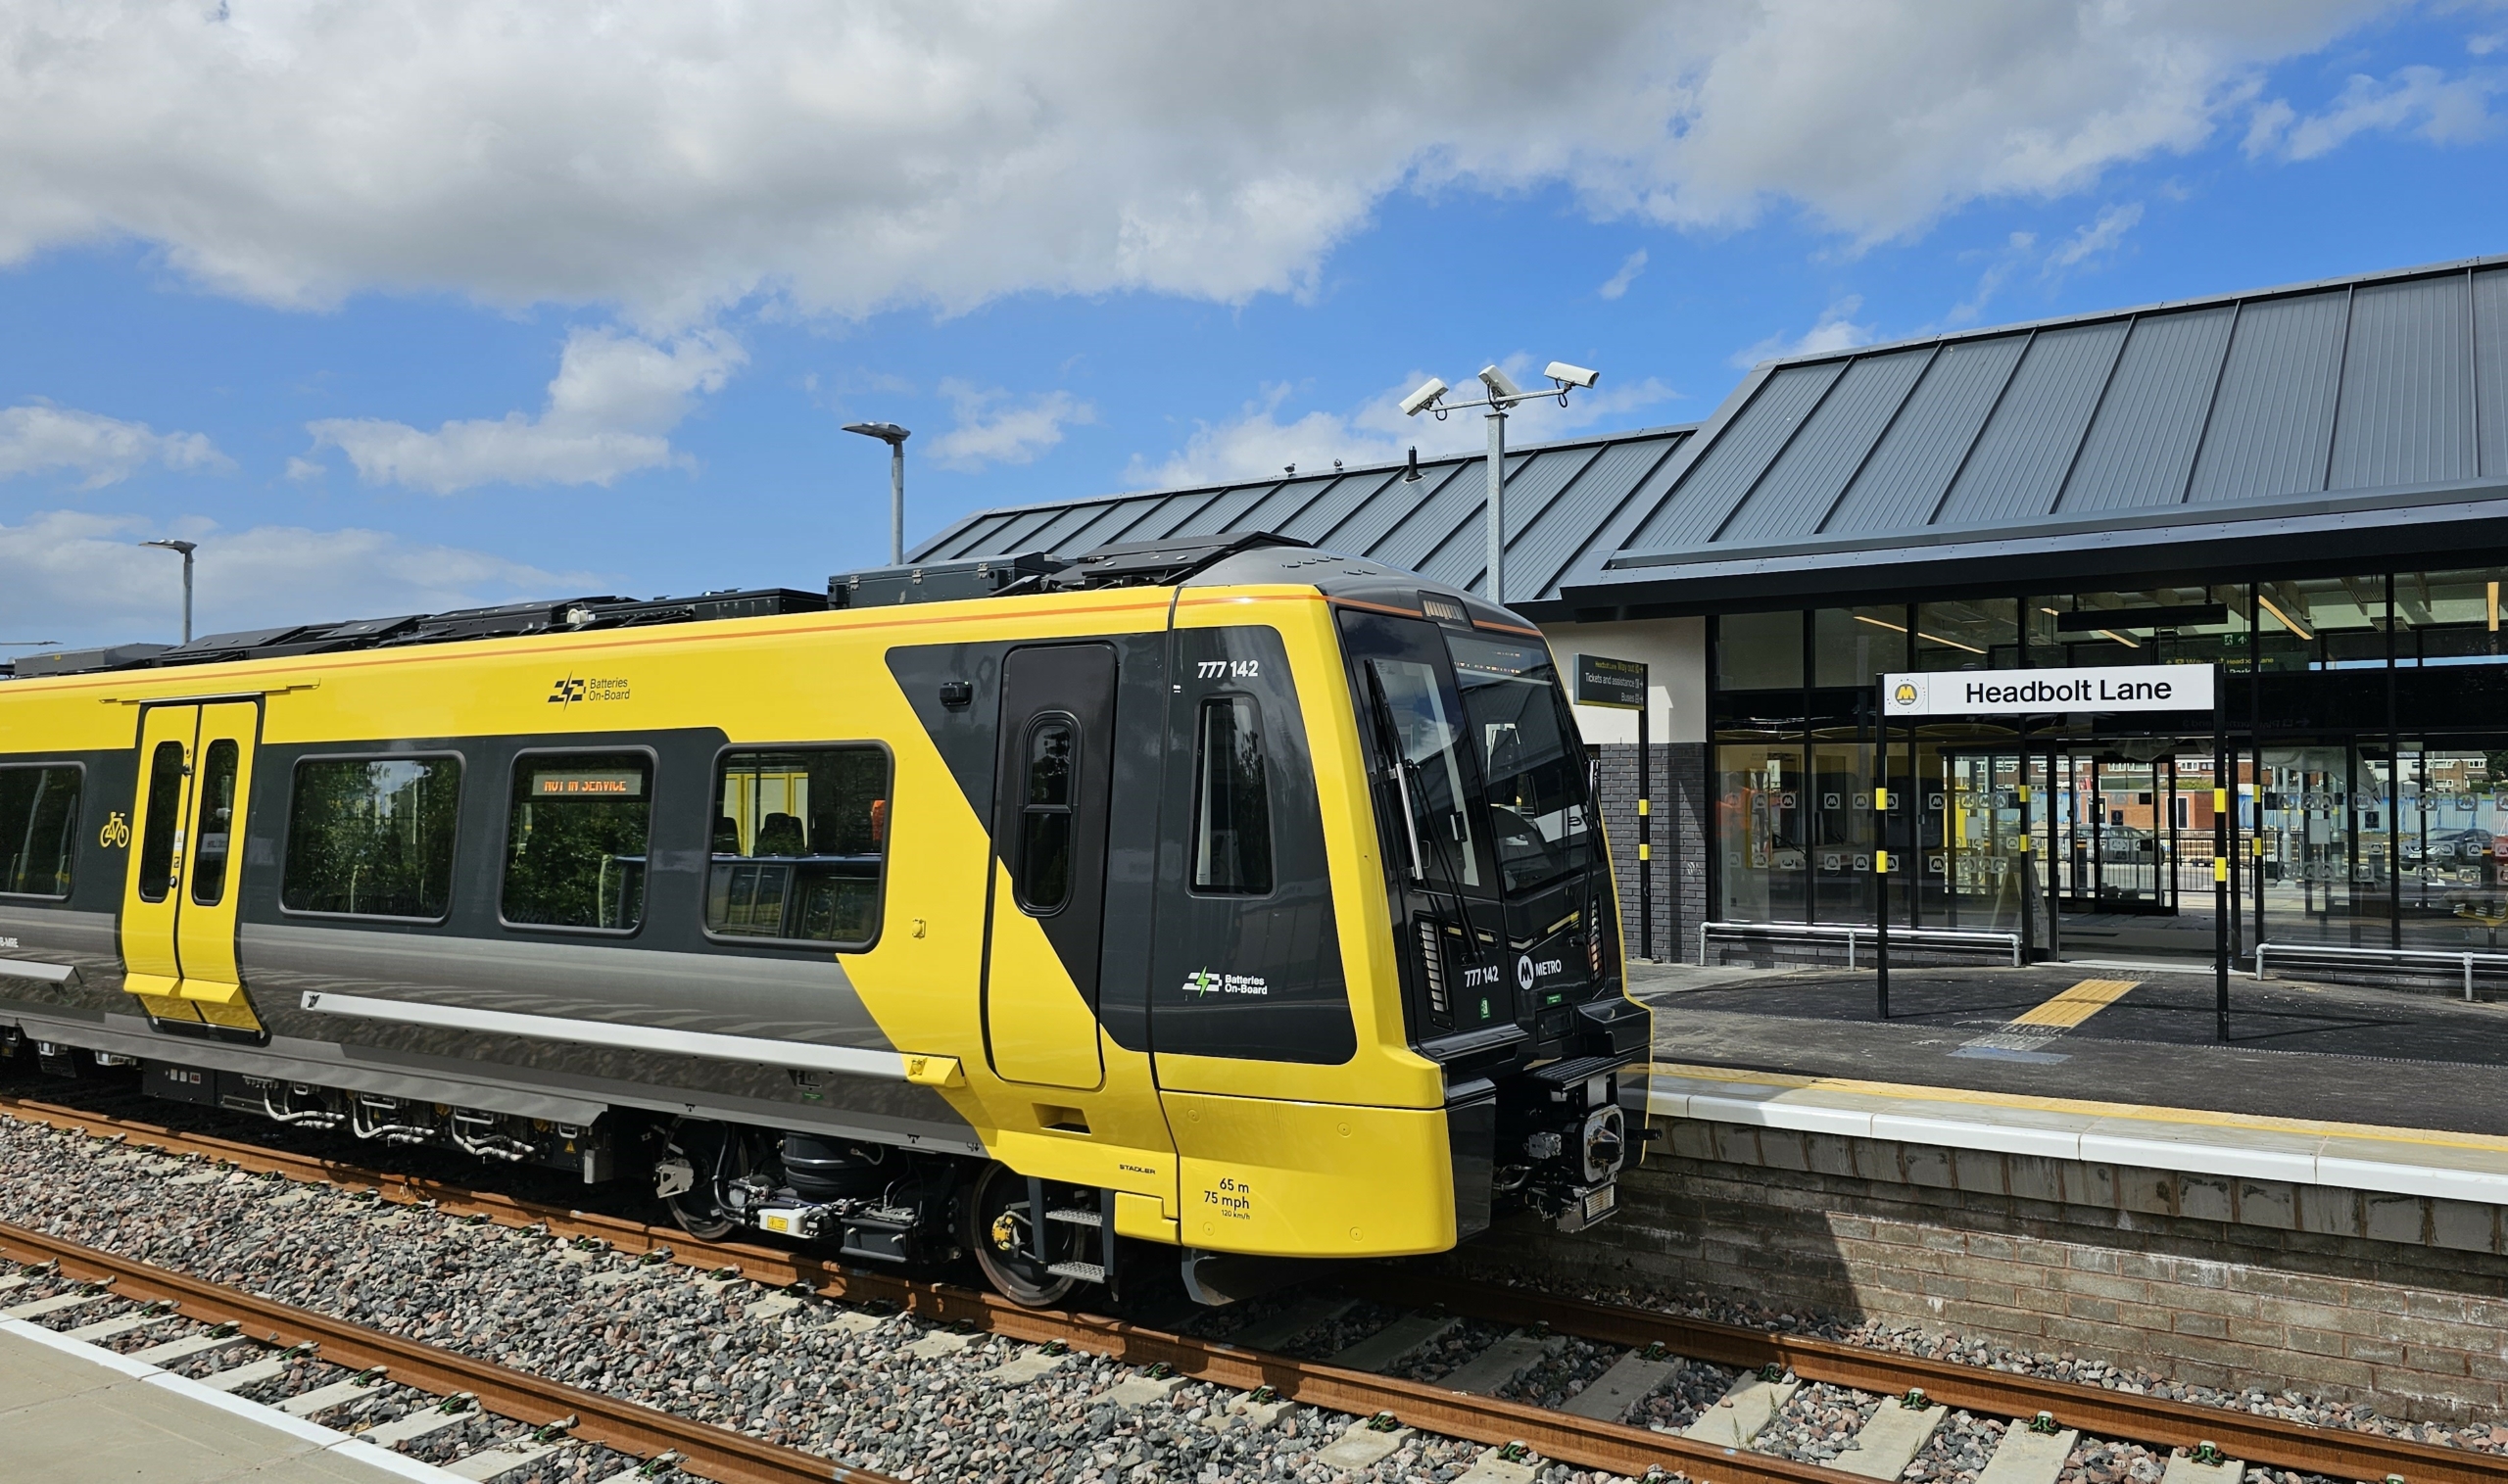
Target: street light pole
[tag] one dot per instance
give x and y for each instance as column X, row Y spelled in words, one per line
column 1503, row 394
column 1498, row 504
column 894, row 437
column 187, row 547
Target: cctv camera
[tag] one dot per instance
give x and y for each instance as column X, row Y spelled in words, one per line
column 1498, row 384
column 1571, row 375
column 1424, row 399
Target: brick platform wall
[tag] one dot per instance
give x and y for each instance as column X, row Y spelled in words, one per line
column 2398, row 1301
column 1680, row 840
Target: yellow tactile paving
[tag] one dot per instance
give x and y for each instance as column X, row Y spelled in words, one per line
column 2079, row 1003
column 2137, row 1113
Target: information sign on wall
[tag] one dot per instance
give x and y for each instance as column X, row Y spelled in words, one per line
column 2024, row 693
column 1604, row 682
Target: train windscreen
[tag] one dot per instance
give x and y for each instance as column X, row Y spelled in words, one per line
column 1531, row 762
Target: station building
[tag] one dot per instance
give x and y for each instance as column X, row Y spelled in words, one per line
column 2306, row 486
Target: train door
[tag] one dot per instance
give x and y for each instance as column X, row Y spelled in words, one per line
column 1050, row 786
column 179, row 905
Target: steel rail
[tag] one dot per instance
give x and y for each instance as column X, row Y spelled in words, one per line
column 2333, row 1452
column 714, row 1452
column 2122, row 1415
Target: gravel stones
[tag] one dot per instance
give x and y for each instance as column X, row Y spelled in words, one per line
column 819, row 1376
column 1818, row 1423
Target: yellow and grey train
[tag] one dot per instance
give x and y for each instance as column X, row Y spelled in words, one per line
column 1227, row 896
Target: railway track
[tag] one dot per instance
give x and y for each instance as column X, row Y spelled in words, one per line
column 283, row 1330
column 1912, row 1394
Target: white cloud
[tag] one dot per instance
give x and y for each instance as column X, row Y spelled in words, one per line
column 1257, row 444
column 1835, row 331
column 2421, row 100
column 672, row 160
column 2096, row 237
column 993, row 428
column 611, row 409
column 80, row 578
column 38, row 437
column 1629, row 267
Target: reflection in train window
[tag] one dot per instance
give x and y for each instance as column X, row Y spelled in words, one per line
column 1045, row 817
column 159, row 850
column 799, row 837
column 1232, row 800
column 38, row 827
column 214, row 820
column 371, row 837
column 576, row 839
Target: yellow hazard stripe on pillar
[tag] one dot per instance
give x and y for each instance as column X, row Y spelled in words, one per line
column 2220, row 868
column 2079, row 1003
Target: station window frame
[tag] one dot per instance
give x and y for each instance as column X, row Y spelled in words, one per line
column 287, row 834
column 880, row 901
column 80, row 769
column 504, row 835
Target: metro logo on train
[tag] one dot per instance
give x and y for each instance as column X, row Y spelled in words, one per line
column 2021, row 693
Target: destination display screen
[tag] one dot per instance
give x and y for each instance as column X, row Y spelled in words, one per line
column 621, row 782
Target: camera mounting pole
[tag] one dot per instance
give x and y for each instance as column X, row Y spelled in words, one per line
column 1503, row 394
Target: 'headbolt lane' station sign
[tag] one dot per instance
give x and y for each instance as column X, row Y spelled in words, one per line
column 2023, row 692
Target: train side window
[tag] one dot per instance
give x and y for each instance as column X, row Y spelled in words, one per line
column 577, row 836
column 1045, row 816
column 215, row 821
column 371, row 837
column 165, row 816
column 801, row 840
column 1232, row 800
column 39, row 830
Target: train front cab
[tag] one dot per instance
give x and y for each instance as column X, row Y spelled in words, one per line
column 1383, row 1004
column 1503, row 916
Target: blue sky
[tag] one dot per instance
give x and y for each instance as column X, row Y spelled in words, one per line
column 454, row 307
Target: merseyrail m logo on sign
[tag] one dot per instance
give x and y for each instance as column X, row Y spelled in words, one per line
column 2022, row 693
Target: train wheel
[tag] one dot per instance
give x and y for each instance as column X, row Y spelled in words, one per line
column 998, row 1232
column 712, row 1152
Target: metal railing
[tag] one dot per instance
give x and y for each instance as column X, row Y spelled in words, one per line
column 2327, row 952
column 1847, row 932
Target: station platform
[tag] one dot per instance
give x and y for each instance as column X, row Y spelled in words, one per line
column 72, row 1412
column 2102, row 1060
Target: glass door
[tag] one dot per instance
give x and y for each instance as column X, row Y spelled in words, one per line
column 2314, row 885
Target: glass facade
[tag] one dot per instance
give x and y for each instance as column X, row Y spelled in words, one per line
column 2366, row 720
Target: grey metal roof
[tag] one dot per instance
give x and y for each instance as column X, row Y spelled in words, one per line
column 2355, row 416
column 2215, row 410
column 1566, row 503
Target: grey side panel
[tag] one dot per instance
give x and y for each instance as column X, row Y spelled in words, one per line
column 886, row 1112
column 1911, row 468
column 1727, row 472
column 61, row 935
column 781, row 1000
column 1807, row 479
column 2491, row 367
column 778, row 1000
column 2406, row 416
column 2020, row 458
column 2142, row 448
column 2275, row 409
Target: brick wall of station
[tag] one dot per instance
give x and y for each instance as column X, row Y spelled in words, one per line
column 2398, row 1301
column 1680, row 840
